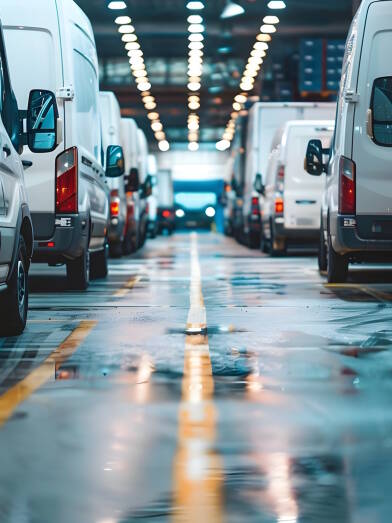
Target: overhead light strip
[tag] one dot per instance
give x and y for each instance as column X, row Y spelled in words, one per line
column 139, row 72
column 195, row 72
column 251, row 72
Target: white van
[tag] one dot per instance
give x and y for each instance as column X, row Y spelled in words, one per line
column 52, row 45
column 16, row 230
column 145, row 187
column 130, row 143
column 152, row 201
column 262, row 123
column 357, row 208
column 292, row 199
column 112, row 135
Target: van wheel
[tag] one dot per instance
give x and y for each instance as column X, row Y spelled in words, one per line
column 322, row 253
column 99, row 264
column 129, row 244
column 116, row 250
column 337, row 269
column 78, row 272
column 277, row 247
column 254, row 240
column 14, row 301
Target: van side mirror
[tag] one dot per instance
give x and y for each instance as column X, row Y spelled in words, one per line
column 115, row 165
column 42, row 117
column 258, row 185
column 314, row 158
column 147, row 188
column 133, row 183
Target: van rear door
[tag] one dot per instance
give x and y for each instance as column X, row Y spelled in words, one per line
column 373, row 156
column 302, row 193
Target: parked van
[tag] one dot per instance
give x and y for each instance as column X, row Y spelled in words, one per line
column 357, row 208
column 130, row 141
column 166, row 211
column 152, row 201
column 145, row 187
column 16, row 230
column 291, row 200
column 52, row 45
column 112, row 135
column 263, row 121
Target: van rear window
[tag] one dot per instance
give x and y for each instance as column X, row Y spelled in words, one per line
column 381, row 106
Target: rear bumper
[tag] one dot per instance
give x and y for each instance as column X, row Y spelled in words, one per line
column 300, row 235
column 346, row 240
column 67, row 243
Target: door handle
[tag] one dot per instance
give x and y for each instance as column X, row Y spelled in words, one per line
column 7, row 151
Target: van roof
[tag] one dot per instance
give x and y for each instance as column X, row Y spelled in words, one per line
column 282, row 133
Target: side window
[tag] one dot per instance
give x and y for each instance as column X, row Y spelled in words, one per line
column 381, row 106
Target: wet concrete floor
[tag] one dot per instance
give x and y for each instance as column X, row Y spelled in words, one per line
column 202, row 382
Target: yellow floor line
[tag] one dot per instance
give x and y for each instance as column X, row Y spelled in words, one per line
column 374, row 293
column 11, row 399
column 128, row 286
column 197, row 470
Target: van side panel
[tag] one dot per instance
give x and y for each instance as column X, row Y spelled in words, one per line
column 373, row 161
column 34, row 53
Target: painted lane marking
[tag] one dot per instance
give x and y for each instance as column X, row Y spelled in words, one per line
column 11, row 399
column 374, row 293
column 130, row 284
column 197, row 469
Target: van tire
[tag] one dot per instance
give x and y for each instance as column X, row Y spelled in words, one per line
column 277, row 247
column 78, row 272
column 116, row 250
column 14, row 302
column 337, row 270
column 130, row 244
column 322, row 253
column 99, row 264
column 254, row 240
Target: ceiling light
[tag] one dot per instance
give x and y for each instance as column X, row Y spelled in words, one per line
column 193, row 146
column 141, row 80
column 194, row 106
column 144, row 94
column 194, row 86
column 160, row 136
column 196, row 28
column 250, row 73
column 193, row 126
column 126, row 29
column 263, row 38
column 223, row 145
column 261, row 45
column 153, row 116
column 129, row 37
column 146, row 86
column 139, row 73
column 163, row 145
column 150, row 105
column 241, row 98
column 148, row 99
column 258, row 53
column 135, row 53
column 196, row 45
column 194, row 98
column 232, row 9
column 276, row 4
column 196, row 52
column 271, row 20
column 194, row 6
column 132, row 45
column 113, row 4
column 269, row 29
column 156, row 126
column 195, row 19
column 195, row 37
column 121, row 20
column 237, row 106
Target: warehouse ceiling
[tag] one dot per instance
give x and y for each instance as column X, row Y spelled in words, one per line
column 162, row 30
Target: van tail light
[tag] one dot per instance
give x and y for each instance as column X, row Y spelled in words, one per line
column 281, row 173
column 347, row 197
column 279, row 206
column 255, row 206
column 67, row 182
column 114, row 204
column 166, row 213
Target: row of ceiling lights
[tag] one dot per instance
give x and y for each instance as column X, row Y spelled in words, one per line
column 195, row 71
column 251, row 71
column 139, row 72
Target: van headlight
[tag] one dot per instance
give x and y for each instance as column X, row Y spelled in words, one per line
column 180, row 213
column 210, row 212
